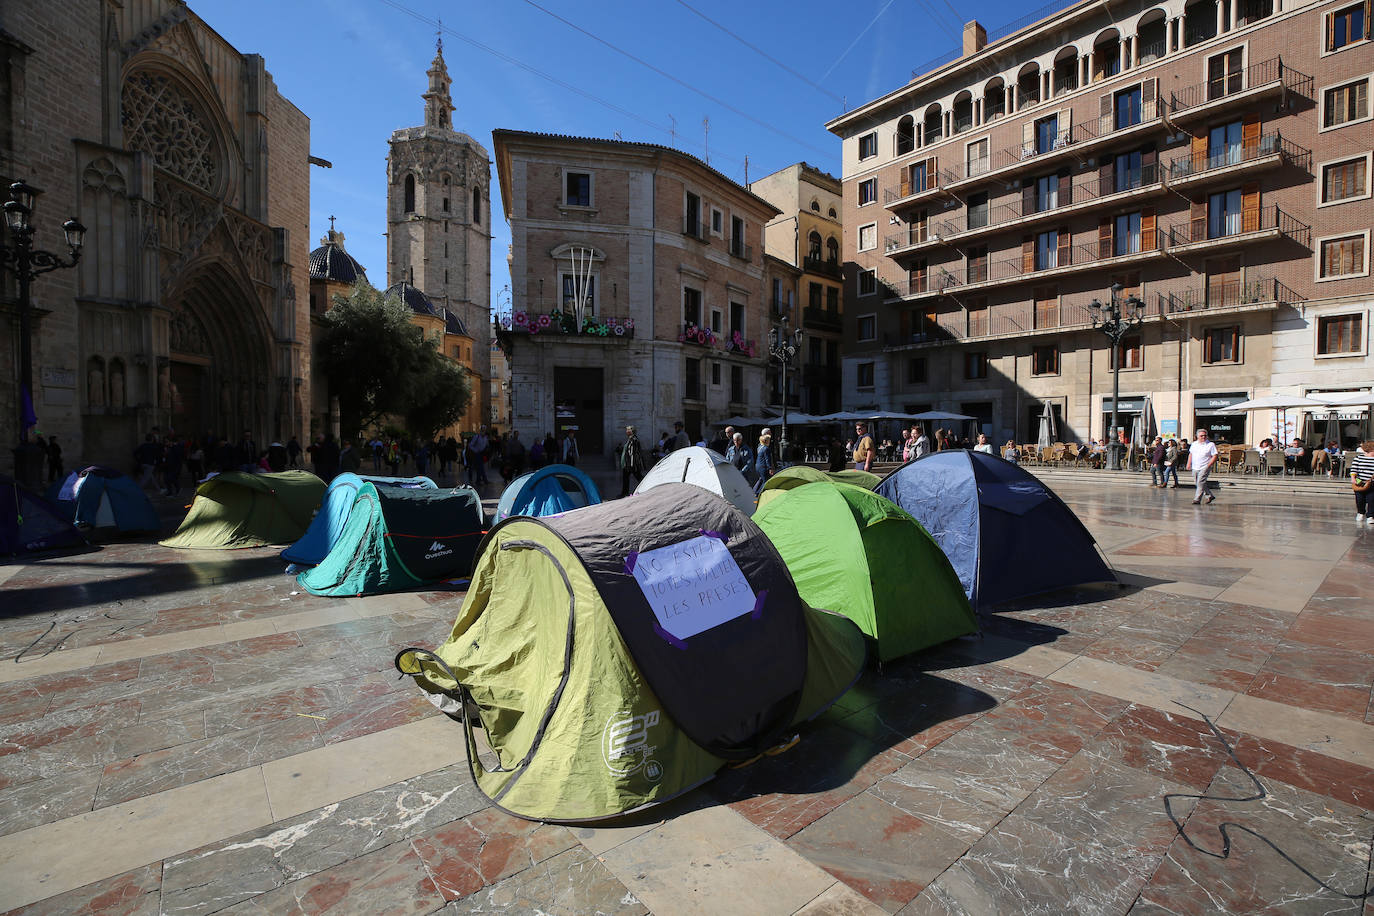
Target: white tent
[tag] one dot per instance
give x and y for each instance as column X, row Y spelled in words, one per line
column 703, row 468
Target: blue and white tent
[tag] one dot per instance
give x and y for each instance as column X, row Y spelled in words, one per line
column 1006, row 534
column 547, row 491
column 101, row 497
column 333, row 513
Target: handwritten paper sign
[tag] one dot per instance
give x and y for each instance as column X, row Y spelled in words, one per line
column 692, row 586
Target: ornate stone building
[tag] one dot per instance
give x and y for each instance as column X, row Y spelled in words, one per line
column 438, row 232
column 191, row 172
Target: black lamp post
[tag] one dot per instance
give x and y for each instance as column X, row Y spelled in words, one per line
column 25, row 262
column 1116, row 319
column 784, row 347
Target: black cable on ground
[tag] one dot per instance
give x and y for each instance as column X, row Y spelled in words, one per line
column 1224, row 828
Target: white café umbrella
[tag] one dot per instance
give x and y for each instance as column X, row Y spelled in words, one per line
column 1352, row 399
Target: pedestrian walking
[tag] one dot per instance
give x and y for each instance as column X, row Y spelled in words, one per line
column 293, row 452
column 742, row 457
column 630, row 460
column 679, row 439
column 54, row 460
column 569, row 446
column 1158, row 451
column 512, row 456
column 1172, row 453
column 764, row 464
column 1202, row 454
column 863, row 447
column 1362, row 483
column 195, row 461
column 147, row 455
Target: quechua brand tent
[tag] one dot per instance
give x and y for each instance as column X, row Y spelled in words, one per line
column 235, row 509
column 703, row 468
column 100, row 497
column 548, row 491
column 800, row 474
column 329, row 522
column 399, row 538
column 856, row 553
column 29, row 523
column 1006, row 534
column 619, row 655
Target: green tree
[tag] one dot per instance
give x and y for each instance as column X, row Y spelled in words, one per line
column 379, row 364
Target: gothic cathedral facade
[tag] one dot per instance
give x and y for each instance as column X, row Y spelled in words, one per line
column 439, row 221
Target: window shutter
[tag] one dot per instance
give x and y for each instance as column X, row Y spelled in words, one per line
column 1149, row 159
column 1197, row 219
column 1065, row 246
column 932, row 173
column 1027, row 254
column 1065, row 188
column 1331, row 29
column 1250, row 135
column 1250, row 207
column 1104, row 112
column 1149, row 91
column 1027, row 136
column 1027, row 197
column 1104, row 237
column 1066, row 124
column 1199, row 150
column 1147, row 229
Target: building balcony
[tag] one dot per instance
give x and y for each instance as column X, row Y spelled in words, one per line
column 594, row 328
column 823, row 266
column 733, row 342
column 1251, row 294
column 1009, row 271
column 778, row 309
column 1031, row 319
column 1072, row 142
column 740, row 250
column 1086, row 192
column 1272, row 150
column 696, row 229
column 1259, row 225
column 1268, row 77
column 821, row 319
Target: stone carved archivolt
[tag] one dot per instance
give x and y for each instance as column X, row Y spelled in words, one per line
column 101, row 175
column 161, row 120
column 186, row 335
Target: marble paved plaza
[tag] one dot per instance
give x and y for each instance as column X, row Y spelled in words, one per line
column 189, row 733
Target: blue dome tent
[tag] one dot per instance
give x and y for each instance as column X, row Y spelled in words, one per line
column 328, row 523
column 101, row 497
column 29, row 523
column 1006, row 534
column 547, row 491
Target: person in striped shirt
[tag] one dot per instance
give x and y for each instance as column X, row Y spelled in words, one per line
column 1362, row 482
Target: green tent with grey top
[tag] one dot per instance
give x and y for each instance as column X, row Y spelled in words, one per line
column 236, row 509
column 619, row 655
column 398, row 538
column 851, row 550
column 801, row 474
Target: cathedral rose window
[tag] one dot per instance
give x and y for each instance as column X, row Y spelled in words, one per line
column 160, row 119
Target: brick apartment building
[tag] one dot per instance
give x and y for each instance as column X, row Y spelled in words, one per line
column 1212, row 158
column 664, row 257
column 806, row 234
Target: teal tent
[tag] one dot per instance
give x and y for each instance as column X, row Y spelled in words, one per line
column 329, row 523
column 399, row 538
column 548, row 491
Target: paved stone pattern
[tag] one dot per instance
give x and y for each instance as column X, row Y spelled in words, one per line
column 190, row 732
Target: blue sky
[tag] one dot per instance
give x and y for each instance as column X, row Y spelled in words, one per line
column 357, row 68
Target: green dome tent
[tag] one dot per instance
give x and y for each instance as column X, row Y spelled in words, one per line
column 800, row 474
column 235, row 509
column 853, row 551
column 398, row 538
column 619, row 655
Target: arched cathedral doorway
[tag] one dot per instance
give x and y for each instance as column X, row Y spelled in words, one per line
column 220, row 379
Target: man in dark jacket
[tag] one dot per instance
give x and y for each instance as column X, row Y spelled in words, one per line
column 630, row 459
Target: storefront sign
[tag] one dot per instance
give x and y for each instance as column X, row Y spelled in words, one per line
column 1218, row 401
column 1128, row 405
column 1168, row 427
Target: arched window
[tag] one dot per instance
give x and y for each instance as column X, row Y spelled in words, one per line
column 832, row 213
column 476, row 206
column 932, row 124
column 816, row 205
column 813, row 244
column 832, row 250
column 410, row 193
column 906, row 135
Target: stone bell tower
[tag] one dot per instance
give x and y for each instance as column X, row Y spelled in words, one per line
column 439, row 219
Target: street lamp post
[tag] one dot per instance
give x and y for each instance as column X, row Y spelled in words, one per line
column 784, row 347
column 25, row 262
column 1116, row 319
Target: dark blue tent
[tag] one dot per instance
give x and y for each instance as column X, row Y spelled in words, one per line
column 548, row 491
column 1006, row 534
column 29, row 523
column 101, row 497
